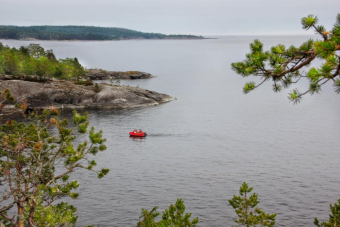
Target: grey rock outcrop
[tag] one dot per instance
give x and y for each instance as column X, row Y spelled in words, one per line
column 27, row 78
column 99, row 74
column 65, row 94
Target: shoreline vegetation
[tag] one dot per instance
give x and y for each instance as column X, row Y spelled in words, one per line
column 34, row 74
column 81, row 33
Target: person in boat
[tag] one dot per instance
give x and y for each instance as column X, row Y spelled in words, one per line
column 135, row 131
column 140, row 131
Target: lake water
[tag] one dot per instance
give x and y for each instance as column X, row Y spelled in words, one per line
column 202, row 146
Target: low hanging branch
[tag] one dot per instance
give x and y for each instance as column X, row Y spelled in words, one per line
column 29, row 157
column 282, row 65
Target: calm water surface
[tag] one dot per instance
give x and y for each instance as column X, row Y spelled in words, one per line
column 202, row 146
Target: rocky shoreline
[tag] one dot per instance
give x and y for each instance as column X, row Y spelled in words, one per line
column 120, row 39
column 100, row 74
column 68, row 95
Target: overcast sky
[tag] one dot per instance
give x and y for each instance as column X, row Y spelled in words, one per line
column 199, row 17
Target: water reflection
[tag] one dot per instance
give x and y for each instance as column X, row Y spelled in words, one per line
column 137, row 139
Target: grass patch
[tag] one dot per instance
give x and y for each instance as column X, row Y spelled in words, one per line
column 85, row 83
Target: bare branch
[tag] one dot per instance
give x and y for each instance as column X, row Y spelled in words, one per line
column 7, row 207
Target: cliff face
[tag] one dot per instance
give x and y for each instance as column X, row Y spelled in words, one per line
column 64, row 94
column 99, row 74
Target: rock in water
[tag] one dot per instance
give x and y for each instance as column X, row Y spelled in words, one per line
column 99, row 74
column 69, row 95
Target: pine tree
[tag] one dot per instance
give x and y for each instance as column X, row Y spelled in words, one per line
column 175, row 216
column 283, row 65
column 247, row 211
column 29, row 158
column 334, row 218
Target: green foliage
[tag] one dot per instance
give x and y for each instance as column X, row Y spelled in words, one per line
column 80, row 121
column 337, row 86
column 96, row 88
column 34, row 60
column 149, row 218
column 7, row 98
column 324, row 49
column 277, row 87
column 35, row 50
column 247, row 211
column 294, row 96
column 6, row 95
column 4, row 221
column 29, row 156
column 282, row 65
column 308, row 22
column 85, row 83
column 55, row 215
column 79, row 33
column 334, row 217
column 175, row 216
column 103, row 172
column 249, row 87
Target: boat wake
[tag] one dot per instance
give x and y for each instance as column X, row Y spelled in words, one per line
column 164, row 135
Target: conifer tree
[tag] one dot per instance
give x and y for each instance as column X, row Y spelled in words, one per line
column 172, row 217
column 36, row 165
column 247, row 211
column 283, row 66
column 334, row 217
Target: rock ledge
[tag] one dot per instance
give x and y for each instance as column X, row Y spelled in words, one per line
column 65, row 94
column 99, row 74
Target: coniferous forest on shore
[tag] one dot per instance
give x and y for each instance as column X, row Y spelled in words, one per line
column 80, row 33
column 35, row 60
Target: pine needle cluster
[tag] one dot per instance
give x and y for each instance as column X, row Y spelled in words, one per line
column 283, row 65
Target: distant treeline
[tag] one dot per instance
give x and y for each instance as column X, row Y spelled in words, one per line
column 80, row 33
column 33, row 60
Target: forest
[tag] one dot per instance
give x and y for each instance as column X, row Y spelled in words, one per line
column 80, row 33
column 33, row 60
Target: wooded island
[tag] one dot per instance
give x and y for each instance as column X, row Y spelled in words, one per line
column 81, row 33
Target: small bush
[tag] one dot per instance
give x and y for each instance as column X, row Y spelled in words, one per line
column 130, row 72
column 85, row 83
column 96, row 88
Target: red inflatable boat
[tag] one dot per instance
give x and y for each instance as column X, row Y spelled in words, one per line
column 137, row 134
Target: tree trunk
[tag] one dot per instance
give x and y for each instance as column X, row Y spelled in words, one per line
column 31, row 213
column 20, row 222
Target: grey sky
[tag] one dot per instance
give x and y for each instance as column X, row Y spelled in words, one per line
column 200, row 17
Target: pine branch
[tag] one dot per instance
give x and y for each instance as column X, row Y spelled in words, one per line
column 320, row 32
column 7, row 207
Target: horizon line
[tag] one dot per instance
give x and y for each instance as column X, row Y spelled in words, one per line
column 282, row 33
